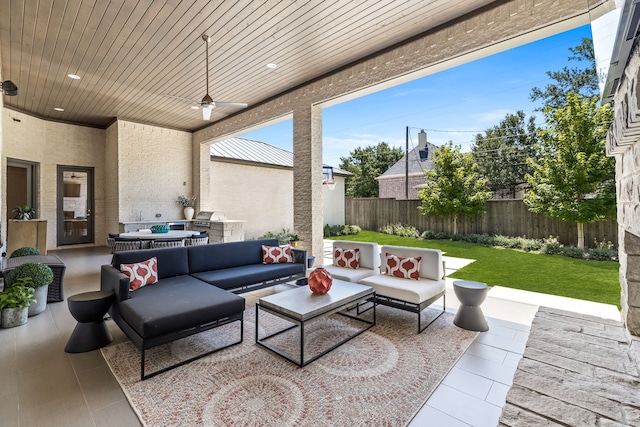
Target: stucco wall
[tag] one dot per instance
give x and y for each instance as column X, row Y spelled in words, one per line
column 333, row 203
column 261, row 196
column 154, row 168
column 51, row 144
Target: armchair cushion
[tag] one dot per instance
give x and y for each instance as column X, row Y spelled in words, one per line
column 404, row 268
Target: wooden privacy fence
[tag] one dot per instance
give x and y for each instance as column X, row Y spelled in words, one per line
column 501, row 217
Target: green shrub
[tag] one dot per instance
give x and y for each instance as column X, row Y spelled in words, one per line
column 532, row 245
column 24, row 252
column 603, row 254
column 40, row 274
column 401, row 230
column 341, row 230
column 573, row 252
column 432, row 235
column 501, row 241
column 551, row 246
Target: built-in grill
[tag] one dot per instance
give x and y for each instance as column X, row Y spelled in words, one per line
column 203, row 220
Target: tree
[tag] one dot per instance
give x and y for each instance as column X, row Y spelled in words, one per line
column 366, row 164
column 583, row 81
column 502, row 152
column 454, row 186
column 573, row 179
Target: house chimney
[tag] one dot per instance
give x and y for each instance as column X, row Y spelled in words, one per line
column 422, row 145
column 422, row 140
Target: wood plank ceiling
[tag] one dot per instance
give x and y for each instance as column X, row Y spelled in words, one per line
column 136, row 59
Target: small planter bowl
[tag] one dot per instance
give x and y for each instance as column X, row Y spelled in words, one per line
column 160, row 228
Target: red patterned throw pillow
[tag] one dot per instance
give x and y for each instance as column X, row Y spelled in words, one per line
column 405, row 268
column 141, row 274
column 276, row 254
column 349, row 258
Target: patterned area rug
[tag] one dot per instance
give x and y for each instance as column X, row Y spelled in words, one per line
column 382, row 377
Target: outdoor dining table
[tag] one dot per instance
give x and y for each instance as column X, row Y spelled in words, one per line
column 171, row 234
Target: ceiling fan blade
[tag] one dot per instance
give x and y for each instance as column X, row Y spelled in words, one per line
column 230, row 104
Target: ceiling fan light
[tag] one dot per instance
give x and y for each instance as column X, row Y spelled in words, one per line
column 206, row 113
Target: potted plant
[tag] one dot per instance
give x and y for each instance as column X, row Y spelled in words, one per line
column 39, row 277
column 14, row 302
column 188, row 203
column 24, row 212
column 294, row 240
column 27, row 250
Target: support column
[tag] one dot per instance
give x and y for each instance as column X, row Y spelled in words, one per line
column 307, row 178
column 202, row 176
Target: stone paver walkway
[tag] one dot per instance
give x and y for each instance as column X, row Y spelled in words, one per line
column 577, row 370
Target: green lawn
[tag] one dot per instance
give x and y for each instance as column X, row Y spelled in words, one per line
column 549, row 274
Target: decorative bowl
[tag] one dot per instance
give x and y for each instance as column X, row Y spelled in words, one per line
column 160, row 228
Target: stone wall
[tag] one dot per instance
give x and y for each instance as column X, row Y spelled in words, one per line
column 623, row 142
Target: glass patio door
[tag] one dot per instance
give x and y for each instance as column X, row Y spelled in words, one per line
column 75, row 205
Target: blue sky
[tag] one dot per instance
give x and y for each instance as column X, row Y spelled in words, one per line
column 454, row 104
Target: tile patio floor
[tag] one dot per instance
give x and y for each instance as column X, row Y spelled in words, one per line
column 42, row 385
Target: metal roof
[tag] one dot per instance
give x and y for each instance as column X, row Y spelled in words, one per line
column 249, row 150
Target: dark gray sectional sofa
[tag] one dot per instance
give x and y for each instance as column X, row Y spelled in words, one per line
column 196, row 290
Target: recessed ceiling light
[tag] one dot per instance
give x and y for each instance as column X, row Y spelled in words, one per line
column 73, row 76
column 272, row 65
column 58, row 109
column 195, row 107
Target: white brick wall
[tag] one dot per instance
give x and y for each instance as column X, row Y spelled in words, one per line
column 51, row 144
column 154, row 168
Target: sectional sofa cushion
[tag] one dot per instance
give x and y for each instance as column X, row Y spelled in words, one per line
column 236, row 277
column 227, row 255
column 177, row 303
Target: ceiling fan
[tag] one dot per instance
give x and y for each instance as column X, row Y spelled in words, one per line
column 207, row 102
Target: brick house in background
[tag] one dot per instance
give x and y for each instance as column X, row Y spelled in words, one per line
column 391, row 184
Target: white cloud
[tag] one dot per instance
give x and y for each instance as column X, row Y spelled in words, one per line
column 493, row 116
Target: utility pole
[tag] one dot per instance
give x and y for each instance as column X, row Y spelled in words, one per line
column 406, row 166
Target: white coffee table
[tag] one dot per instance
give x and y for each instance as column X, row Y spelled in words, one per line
column 300, row 306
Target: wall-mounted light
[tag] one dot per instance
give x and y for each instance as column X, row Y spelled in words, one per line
column 9, row 88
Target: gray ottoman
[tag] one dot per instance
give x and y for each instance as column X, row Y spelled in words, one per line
column 471, row 295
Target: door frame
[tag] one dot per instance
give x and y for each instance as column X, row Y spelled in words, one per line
column 33, row 174
column 75, row 240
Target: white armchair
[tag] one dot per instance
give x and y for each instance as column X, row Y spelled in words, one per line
column 410, row 294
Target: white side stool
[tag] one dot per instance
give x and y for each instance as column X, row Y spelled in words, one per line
column 471, row 295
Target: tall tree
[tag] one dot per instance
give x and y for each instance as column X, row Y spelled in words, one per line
column 366, row 164
column 583, row 81
column 573, row 179
column 454, row 186
column 502, row 152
